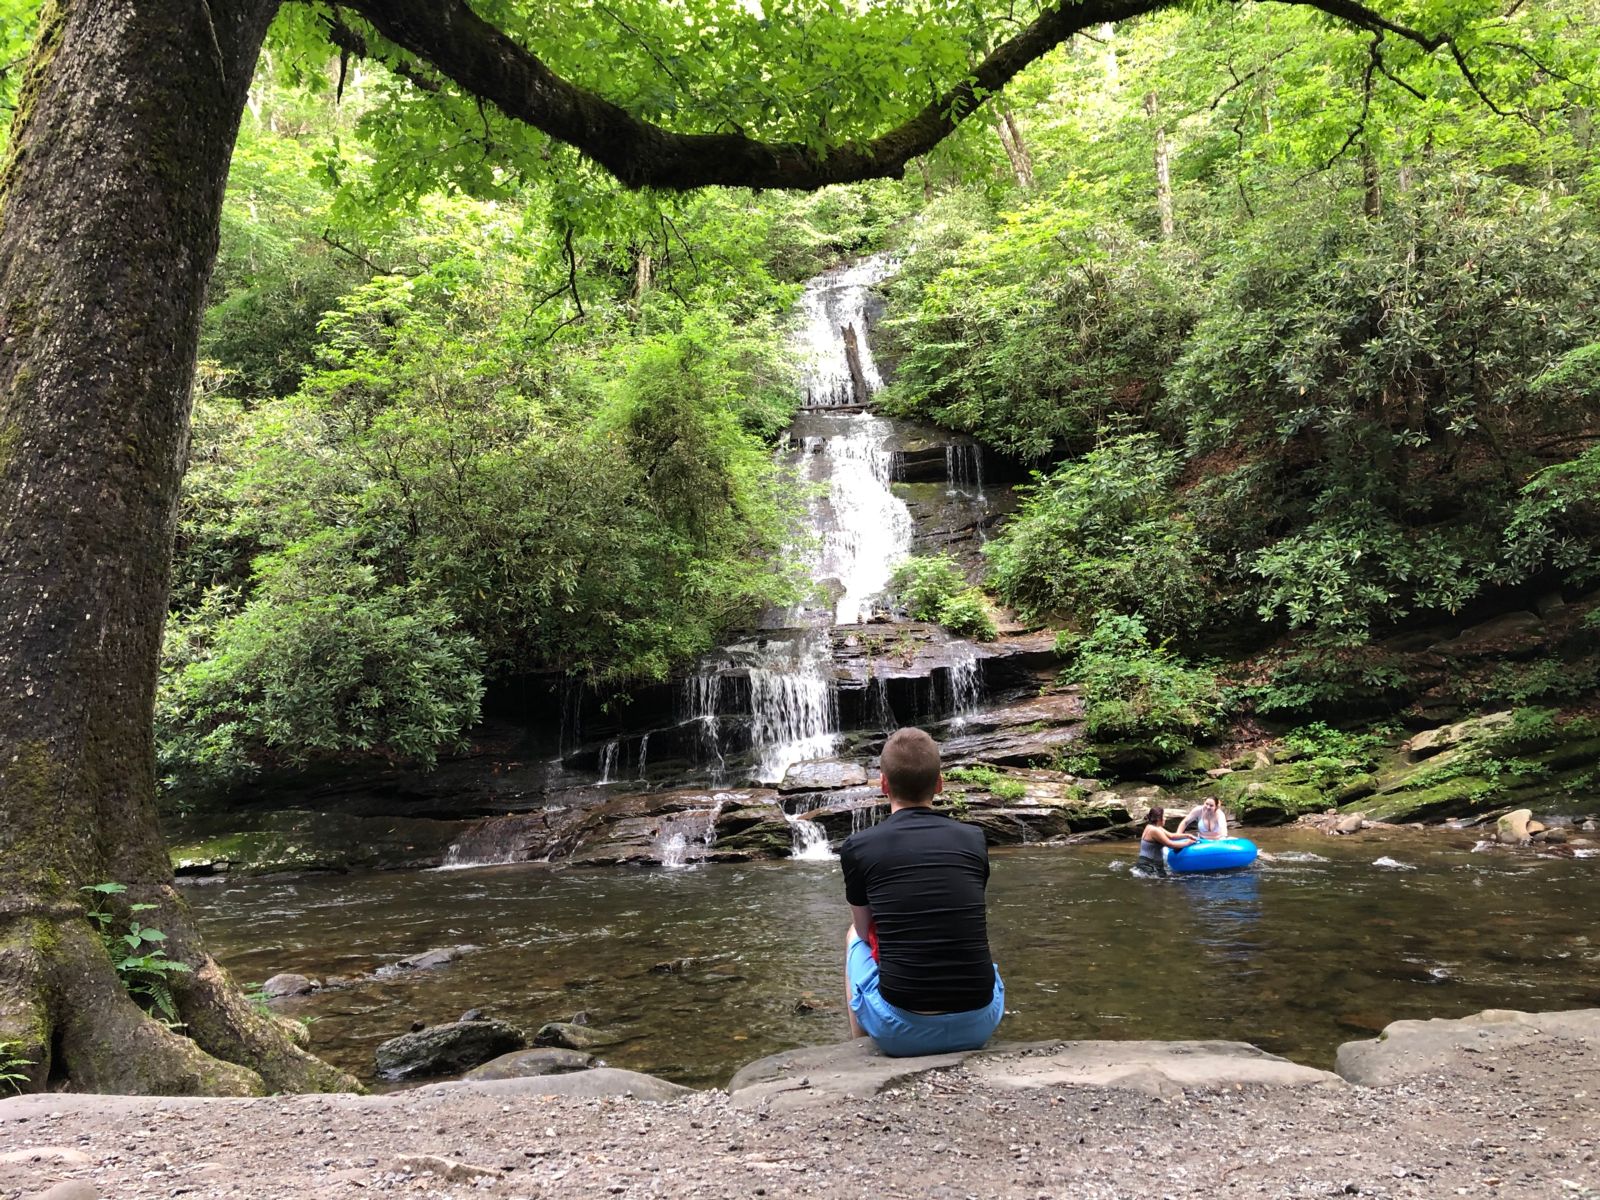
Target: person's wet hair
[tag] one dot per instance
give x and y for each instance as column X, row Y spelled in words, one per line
column 1156, row 816
column 910, row 766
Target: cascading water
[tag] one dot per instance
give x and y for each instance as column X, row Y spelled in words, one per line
column 686, row 837
column 789, row 713
column 810, row 839
column 866, row 528
column 963, row 464
column 965, row 683
column 702, row 705
column 608, row 760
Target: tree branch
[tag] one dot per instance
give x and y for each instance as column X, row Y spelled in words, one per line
column 486, row 62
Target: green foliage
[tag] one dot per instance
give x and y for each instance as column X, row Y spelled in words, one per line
column 316, row 663
column 137, row 952
column 934, row 588
column 1138, row 690
column 1323, row 673
column 999, row 785
column 12, row 1067
column 1104, row 532
column 1333, row 755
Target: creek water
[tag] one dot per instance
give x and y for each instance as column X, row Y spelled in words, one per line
column 1316, row 945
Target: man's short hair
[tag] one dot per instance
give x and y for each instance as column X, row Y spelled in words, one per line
column 910, row 766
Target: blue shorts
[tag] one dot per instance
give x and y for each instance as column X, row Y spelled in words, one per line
column 902, row 1034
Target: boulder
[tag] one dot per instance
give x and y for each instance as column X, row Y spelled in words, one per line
column 447, row 1049
column 1350, row 824
column 1512, row 829
column 525, row 1064
column 287, row 984
column 1476, row 729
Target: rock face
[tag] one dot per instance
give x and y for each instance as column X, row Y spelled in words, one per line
column 447, row 1049
column 1407, row 1049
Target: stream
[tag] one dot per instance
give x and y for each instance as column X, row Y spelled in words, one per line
column 1328, row 940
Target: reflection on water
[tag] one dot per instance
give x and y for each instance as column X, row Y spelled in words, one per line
column 1311, row 947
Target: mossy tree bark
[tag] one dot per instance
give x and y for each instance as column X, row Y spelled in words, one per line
column 109, row 210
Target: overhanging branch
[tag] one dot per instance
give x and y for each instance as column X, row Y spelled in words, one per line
column 488, row 64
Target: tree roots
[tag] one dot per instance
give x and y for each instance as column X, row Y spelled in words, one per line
column 68, row 1018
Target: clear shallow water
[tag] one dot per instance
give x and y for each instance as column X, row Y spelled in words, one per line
column 1311, row 948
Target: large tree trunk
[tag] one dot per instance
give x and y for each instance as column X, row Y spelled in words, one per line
column 109, row 207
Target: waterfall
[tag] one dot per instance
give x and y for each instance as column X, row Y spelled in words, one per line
column 867, row 529
column 877, row 710
column 702, row 701
column 965, row 683
column 839, row 366
column 794, row 708
column 810, row 839
column 963, row 465
column 687, row 837
column 608, row 760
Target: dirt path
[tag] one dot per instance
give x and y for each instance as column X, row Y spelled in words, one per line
column 1523, row 1121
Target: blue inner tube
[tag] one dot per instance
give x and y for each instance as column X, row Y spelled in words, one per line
column 1224, row 854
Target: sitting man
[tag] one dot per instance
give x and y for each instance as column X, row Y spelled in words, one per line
column 918, row 976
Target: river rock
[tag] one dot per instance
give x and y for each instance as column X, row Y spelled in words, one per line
column 1555, row 835
column 524, row 1064
column 1350, row 824
column 287, row 984
column 1512, row 829
column 570, row 1036
column 447, row 1049
column 428, row 960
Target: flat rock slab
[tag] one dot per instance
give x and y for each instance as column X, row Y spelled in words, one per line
column 1407, row 1049
column 822, row 1075
column 595, row 1083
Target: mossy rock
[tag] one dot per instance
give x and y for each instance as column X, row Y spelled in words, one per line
column 1458, row 797
column 1274, row 802
column 1127, row 759
column 297, row 840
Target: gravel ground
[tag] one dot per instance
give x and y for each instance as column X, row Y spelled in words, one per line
column 1522, row 1124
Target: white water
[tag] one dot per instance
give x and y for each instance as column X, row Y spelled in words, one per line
column 867, row 529
column 966, row 683
column 832, row 302
column 608, row 760
column 684, row 839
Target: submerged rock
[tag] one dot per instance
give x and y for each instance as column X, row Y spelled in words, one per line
column 428, row 960
column 447, row 1049
column 568, row 1036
